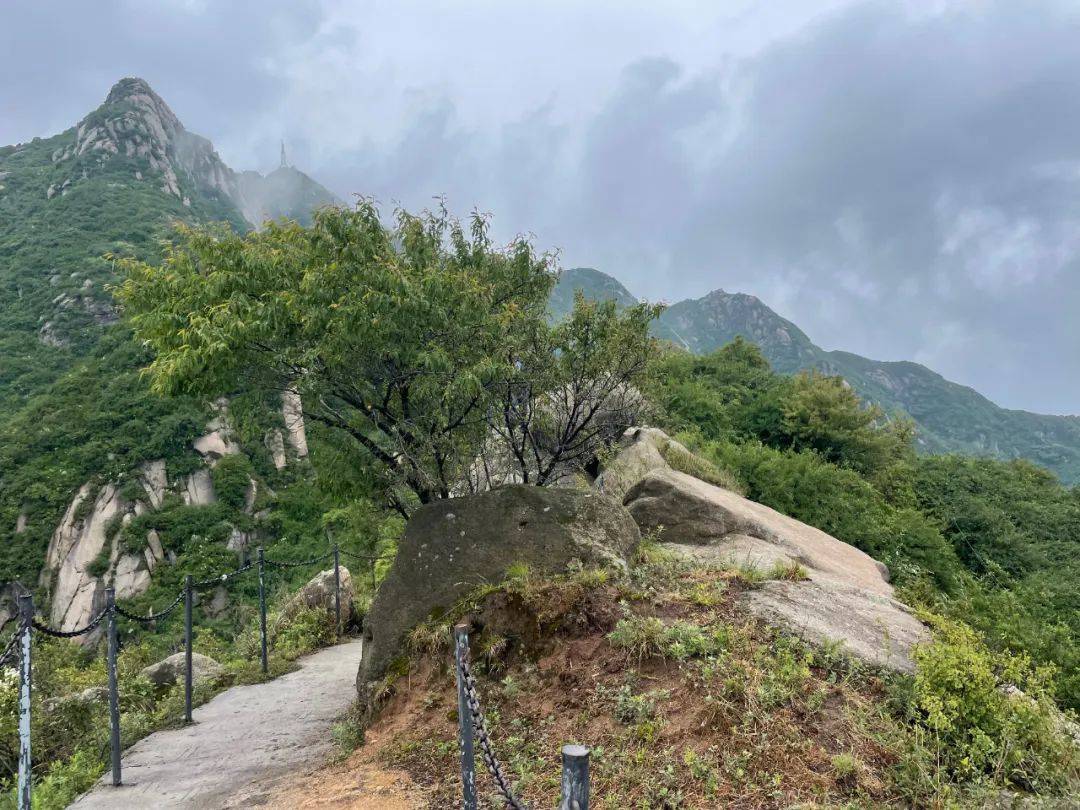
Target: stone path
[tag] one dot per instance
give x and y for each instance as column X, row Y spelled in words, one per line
column 244, row 744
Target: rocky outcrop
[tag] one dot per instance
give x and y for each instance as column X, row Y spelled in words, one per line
column 637, row 455
column 453, row 546
column 318, row 593
column 204, row 669
column 292, row 411
column 846, row 596
column 131, row 576
column 215, row 445
column 276, row 445
column 155, row 481
column 76, row 544
column 199, row 489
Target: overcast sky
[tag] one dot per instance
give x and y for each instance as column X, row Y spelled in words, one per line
column 901, row 179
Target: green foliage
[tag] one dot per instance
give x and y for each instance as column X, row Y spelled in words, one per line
column 232, row 476
column 403, row 333
column 649, row 637
column 963, row 694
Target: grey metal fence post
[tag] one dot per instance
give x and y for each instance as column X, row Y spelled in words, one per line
column 26, row 614
column 114, row 691
column 465, row 724
column 337, row 591
column 189, row 596
column 262, row 612
column 575, row 778
column 374, row 586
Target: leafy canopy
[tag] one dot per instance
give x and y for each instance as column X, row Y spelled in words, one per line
column 416, row 344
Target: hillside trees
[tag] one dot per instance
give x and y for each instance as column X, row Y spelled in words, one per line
column 415, row 344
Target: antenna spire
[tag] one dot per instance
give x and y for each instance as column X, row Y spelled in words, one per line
column 284, row 163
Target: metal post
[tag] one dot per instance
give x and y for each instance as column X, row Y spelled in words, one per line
column 26, row 613
column 189, row 596
column 575, row 778
column 262, row 611
column 114, row 691
column 372, row 560
column 465, row 724
column 337, row 591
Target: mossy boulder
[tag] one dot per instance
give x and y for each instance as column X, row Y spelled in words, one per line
column 451, row 547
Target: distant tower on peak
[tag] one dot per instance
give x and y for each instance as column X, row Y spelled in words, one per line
column 284, row 162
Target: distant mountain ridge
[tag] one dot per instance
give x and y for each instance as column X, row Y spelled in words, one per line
column 951, row 417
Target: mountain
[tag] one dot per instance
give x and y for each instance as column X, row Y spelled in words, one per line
column 77, row 416
column 951, row 417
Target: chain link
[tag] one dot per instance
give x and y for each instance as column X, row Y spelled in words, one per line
column 222, row 578
column 300, row 564
column 12, row 650
column 487, row 753
column 153, row 617
column 94, row 622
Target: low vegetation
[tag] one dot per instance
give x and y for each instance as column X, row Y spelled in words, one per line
column 687, row 703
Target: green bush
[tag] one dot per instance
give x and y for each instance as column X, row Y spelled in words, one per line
column 983, row 727
column 232, row 477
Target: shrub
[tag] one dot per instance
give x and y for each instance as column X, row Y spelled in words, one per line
column 984, row 726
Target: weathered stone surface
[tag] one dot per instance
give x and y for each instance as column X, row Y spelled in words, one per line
column 92, row 694
column 20, row 523
column 155, row 481
column 276, row 445
column 216, row 444
column 131, row 577
column 694, row 512
column 452, row 546
column 638, row 455
column 218, row 604
column 199, row 489
column 846, row 598
column 171, row 669
column 76, row 543
column 293, row 413
column 872, row 627
column 319, row 593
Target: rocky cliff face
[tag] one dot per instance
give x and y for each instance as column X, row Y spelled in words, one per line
column 86, row 555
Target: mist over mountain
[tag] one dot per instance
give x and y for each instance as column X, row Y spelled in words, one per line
column 951, row 418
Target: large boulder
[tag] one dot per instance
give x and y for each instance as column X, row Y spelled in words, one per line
column 171, row 670
column 639, row 454
column 319, row 593
column 845, row 598
column 453, row 546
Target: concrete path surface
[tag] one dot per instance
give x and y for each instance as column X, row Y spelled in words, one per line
column 243, row 743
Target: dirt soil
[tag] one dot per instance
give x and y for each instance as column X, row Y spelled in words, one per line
column 740, row 736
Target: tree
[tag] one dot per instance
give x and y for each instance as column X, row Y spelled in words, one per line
column 824, row 414
column 417, row 344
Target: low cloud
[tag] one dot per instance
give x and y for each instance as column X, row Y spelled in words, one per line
column 900, row 179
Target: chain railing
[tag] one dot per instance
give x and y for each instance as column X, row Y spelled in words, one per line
column 472, row 727
column 18, row 649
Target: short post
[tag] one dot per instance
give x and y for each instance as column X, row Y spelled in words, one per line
column 575, row 778
column 114, row 692
column 262, row 611
column 372, row 561
column 465, row 724
column 189, row 596
column 337, row 591
column 26, row 614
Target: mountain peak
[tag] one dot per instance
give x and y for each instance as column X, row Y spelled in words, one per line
column 131, row 86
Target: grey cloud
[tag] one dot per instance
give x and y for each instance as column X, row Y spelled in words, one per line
column 900, row 179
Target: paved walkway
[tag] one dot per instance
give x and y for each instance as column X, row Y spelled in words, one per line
column 243, row 745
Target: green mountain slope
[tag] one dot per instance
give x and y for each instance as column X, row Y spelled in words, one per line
column 75, row 408
column 951, row 417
